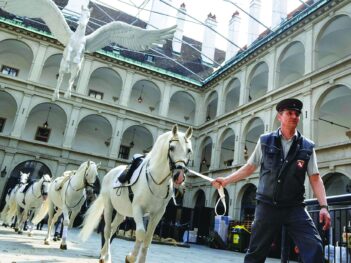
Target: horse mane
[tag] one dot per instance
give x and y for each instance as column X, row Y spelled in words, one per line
column 159, row 150
column 46, row 178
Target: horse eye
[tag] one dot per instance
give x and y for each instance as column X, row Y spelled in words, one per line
column 189, row 150
column 171, row 148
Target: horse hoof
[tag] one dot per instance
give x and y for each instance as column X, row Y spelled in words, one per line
column 63, row 247
column 129, row 259
column 46, row 242
column 101, row 261
column 20, row 232
column 30, row 234
column 16, row 229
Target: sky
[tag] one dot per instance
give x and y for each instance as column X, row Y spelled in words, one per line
column 200, row 9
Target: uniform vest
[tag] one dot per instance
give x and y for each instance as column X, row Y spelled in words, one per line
column 281, row 181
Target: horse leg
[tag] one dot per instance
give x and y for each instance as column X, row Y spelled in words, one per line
column 74, row 74
column 115, row 223
column 22, row 220
column 153, row 221
column 51, row 221
column 30, row 224
column 139, row 233
column 56, row 94
column 105, row 254
column 73, row 216
column 65, row 228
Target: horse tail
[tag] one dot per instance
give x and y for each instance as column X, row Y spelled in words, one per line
column 92, row 218
column 41, row 212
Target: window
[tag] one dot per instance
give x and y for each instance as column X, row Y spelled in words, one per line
column 2, row 124
column 42, row 134
column 96, row 94
column 150, row 58
column 124, row 152
column 9, row 71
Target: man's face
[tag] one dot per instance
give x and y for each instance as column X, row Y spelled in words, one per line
column 289, row 118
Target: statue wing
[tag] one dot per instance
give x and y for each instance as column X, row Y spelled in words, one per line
column 126, row 35
column 44, row 9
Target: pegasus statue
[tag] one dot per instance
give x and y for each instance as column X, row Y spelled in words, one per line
column 77, row 43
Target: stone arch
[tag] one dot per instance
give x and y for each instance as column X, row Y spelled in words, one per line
column 257, row 81
column 16, row 58
column 93, row 131
column 145, row 96
column 8, row 112
column 328, row 50
column 46, row 120
column 182, row 107
column 135, row 139
column 211, row 106
column 291, row 64
column 232, row 95
column 332, row 113
column 227, row 144
column 105, row 84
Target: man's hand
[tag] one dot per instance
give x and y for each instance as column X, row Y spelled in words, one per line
column 324, row 217
column 218, row 182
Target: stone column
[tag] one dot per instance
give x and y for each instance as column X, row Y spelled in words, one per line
column 21, row 116
column 38, row 63
column 165, row 100
column 84, row 77
column 71, row 128
column 127, row 88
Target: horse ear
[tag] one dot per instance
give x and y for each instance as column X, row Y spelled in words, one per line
column 189, row 133
column 175, row 130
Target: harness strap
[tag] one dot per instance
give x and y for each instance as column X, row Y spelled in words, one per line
column 147, row 173
column 220, row 191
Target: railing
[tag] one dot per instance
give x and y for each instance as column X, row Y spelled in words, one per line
column 337, row 240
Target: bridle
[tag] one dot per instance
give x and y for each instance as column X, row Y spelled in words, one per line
column 41, row 188
column 85, row 185
column 172, row 166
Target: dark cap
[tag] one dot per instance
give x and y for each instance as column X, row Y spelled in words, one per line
column 289, row 104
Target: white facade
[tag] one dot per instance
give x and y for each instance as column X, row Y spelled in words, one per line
column 103, row 117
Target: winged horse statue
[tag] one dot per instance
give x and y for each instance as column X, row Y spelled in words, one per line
column 77, row 43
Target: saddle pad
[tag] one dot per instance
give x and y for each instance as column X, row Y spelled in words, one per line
column 132, row 180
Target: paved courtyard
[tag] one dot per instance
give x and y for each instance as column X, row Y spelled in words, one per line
column 16, row 248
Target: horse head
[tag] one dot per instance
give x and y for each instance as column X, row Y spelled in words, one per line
column 90, row 172
column 179, row 153
column 45, row 184
column 24, row 178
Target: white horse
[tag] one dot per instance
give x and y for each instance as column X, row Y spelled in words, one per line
column 10, row 199
column 67, row 194
column 73, row 54
column 31, row 199
column 162, row 169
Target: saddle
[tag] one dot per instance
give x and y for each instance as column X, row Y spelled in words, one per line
column 59, row 182
column 128, row 172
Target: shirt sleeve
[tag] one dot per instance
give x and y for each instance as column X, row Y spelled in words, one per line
column 312, row 167
column 256, row 156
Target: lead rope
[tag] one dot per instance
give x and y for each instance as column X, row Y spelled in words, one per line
column 220, row 191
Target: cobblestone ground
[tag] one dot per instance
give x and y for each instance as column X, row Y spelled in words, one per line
column 16, row 248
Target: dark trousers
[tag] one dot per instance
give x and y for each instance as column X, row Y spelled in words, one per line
column 299, row 225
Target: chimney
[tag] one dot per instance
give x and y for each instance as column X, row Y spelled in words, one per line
column 279, row 12
column 178, row 35
column 209, row 39
column 159, row 14
column 233, row 35
column 254, row 11
column 74, row 7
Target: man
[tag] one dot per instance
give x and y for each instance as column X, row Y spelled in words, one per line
column 284, row 157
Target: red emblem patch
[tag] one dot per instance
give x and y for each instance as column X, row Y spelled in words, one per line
column 300, row 163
